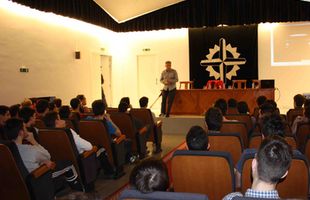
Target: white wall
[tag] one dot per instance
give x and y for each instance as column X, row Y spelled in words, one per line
column 290, row 80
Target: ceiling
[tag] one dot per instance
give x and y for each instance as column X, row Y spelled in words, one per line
column 124, row 10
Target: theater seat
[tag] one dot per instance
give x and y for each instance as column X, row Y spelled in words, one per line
column 203, row 172
column 95, row 132
column 138, row 138
column 135, row 194
column 17, row 182
column 303, row 130
column 292, row 114
column 61, row 146
column 236, row 127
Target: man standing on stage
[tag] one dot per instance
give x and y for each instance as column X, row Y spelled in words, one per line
column 169, row 77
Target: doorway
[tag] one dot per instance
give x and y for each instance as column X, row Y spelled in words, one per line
column 106, row 78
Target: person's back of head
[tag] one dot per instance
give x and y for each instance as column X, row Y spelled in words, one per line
column 75, row 103
column 98, row 107
column 273, row 159
column 42, row 106
column 64, row 112
column 51, row 106
column 58, row 102
column 242, row 107
column 26, row 113
column 299, row 101
column 232, row 103
column 214, row 119
column 149, row 176
column 260, row 100
column 197, row 139
column 50, row 119
column 267, row 109
column 4, row 114
column 273, row 125
column 81, row 97
column 27, row 102
column 12, row 128
column 123, row 107
column 14, row 110
column 143, row 101
column 222, row 105
column 125, row 100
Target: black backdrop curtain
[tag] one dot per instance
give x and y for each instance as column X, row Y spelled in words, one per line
column 238, row 43
column 189, row 13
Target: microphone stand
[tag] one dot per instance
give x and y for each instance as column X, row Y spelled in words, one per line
column 161, row 93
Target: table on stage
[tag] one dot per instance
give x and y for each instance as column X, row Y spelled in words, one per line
column 197, row 101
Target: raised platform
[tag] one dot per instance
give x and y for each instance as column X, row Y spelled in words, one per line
column 180, row 124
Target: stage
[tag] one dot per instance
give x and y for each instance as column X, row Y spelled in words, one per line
column 197, row 101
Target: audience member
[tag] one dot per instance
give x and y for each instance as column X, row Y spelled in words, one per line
column 149, row 176
column 4, row 116
column 127, row 101
column 222, row 105
column 28, row 115
column 75, row 105
column 214, row 120
column 52, row 107
column 269, row 166
column 143, row 102
column 301, row 119
column 299, row 101
column 41, row 108
column 197, row 139
column 243, row 107
column 58, row 103
column 232, row 106
column 83, row 103
column 14, row 110
column 27, row 103
column 64, row 112
column 34, row 155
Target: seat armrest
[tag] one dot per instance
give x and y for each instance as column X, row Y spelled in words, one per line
column 86, row 154
column 42, row 170
column 142, row 131
column 119, row 139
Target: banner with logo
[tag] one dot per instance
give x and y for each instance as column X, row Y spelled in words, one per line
column 223, row 53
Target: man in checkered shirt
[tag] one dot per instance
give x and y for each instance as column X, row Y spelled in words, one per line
column 270, row 164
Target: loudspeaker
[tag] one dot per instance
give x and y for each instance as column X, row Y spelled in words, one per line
column 267, row 83
column 77, row 55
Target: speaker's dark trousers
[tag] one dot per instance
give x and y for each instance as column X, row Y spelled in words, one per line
column 170, row 95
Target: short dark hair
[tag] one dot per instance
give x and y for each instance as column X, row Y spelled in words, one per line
column 273, row 159
column 267, row 108
column 232, row 103
column 3, row 109
column 74, row 103
column 58, row 102
column 299, row 100
column 260, row 100
column 80, row 97
column 50, row 119
column 214, row 119
column 273, row 125
column 26, row 113
column 197, row 139
column 122, row 107
column 98, row 107
column 42, row 105
column 64, row 112
column 143, row 101
column 51, row 106
column 222, row 105
column 150, row 175
column 242, row 107
column 14, row 110
column 125, row 100
column 12, row 128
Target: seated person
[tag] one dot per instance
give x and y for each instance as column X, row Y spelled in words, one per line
column 127, row 101
column 232, row 106
column 58, row 103
column 34, row 155
column 259, row 101
column 213, row 120
column 269, row 166
column 83, row 107
column 28, row 115
column 301, row 119
column 299, row 101
column 98, row 107
column 52, row 120
column 14, row 110
column 75, row 106
column 27, row 103
column 4, row 116
column 41, row 108
column 143, row 102
column 243, row 107
column 149, row 176
column 197, row 139
column 222, row 105
column 65, row 114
